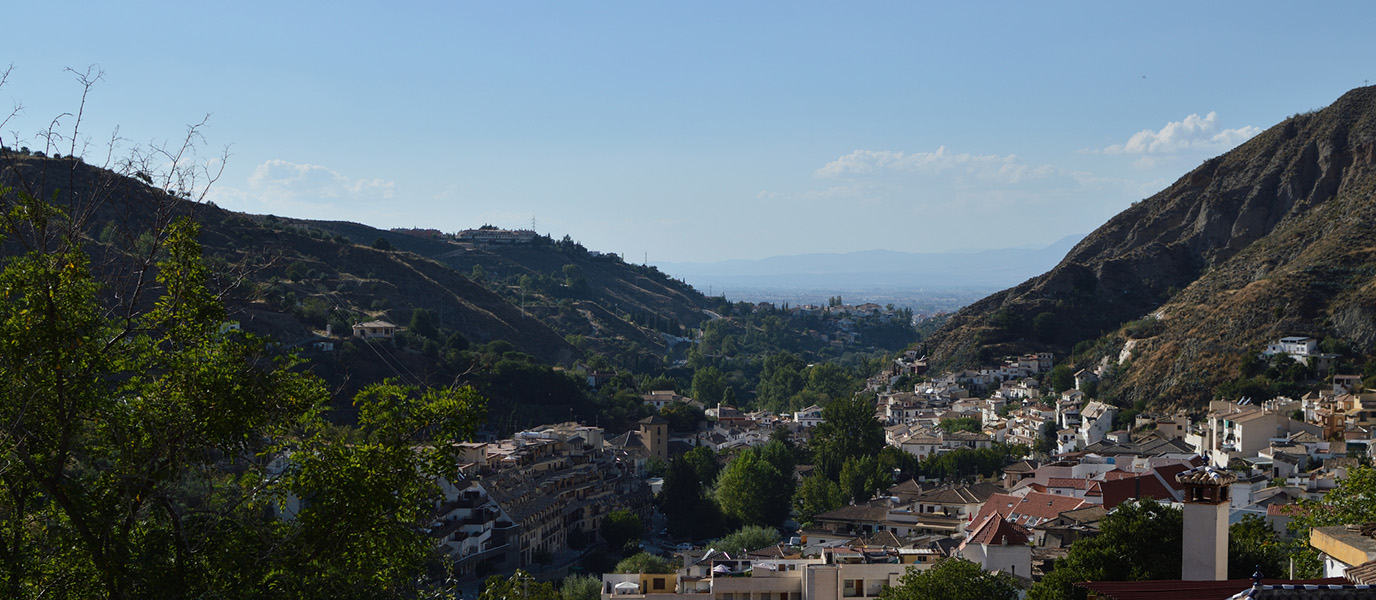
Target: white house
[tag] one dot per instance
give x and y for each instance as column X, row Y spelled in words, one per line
column 808, row 417
column 1096, row 420
column 381, row 330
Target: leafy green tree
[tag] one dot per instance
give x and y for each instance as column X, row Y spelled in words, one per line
column 1061, row 378
column 682, row 416
column 1350, row 502
column 849, row 429
column 780, row 454
column 747, row 539
column 680, row 496
column 1139, row 540
column 655, row 467
column 150, row 445
column 831, row 381
column 780, row 379
column 621, row 529
column 753, row 491
column 709, row 386
column 1253, row 545
column 861, row 476
column 817, row 494
column 519, row 586
column 704, row 464
column 690, row 510
column 966, row 463
column 969, row 424
column 644, row 563
column 952, row 579
column 381, row 243
column 897, row 464
column 423, row 324
column 581, row 587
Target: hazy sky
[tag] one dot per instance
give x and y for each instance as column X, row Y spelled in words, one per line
column 693, row 131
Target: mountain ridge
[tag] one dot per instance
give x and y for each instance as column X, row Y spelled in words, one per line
column 1255, row 213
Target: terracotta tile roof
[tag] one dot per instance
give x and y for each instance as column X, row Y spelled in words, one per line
column 1028, row 511
column 855, row 513
column 1117, row 474
column 1282, row 510
column 960, row 494
column 1020, row 467
column 1364, row 573
column 1146, row 485
column 906, row 488
column 995, row 531
column 1088, row 514
column 1074, row 483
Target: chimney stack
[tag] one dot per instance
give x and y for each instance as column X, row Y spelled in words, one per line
column 1204, row 555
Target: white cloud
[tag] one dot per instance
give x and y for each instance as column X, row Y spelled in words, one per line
column 294, row 189
column 991, row 167
column 282, row 178
column 1194, row 132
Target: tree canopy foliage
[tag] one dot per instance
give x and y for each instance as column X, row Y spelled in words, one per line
column 952, row 579
column 148, row 451
column 1352, row 501
column 1139, row 540
column 621, row 528
column 848, row 429
column 644, row 562
column 756, row 487
column 747, row 539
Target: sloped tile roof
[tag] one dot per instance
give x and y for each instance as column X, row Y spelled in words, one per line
column 960, row 494
column 995, row 531
column 1074, row 483
column 1364, row 573
column 1021, row 466
column 1028, row 511
column 855, row 513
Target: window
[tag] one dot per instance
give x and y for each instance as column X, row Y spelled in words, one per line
column 852, row 588
column 658, row 583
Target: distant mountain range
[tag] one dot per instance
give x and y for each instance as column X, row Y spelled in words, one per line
column 875, row 269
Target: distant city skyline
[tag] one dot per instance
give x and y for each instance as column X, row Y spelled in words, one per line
column 692, row 132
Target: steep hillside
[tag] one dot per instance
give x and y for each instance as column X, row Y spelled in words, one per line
column 1273, row 238
column 604, row 305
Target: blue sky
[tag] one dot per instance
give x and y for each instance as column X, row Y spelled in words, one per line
column 693, row 131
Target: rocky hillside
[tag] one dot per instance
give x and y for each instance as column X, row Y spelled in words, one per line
column 1276, row 237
